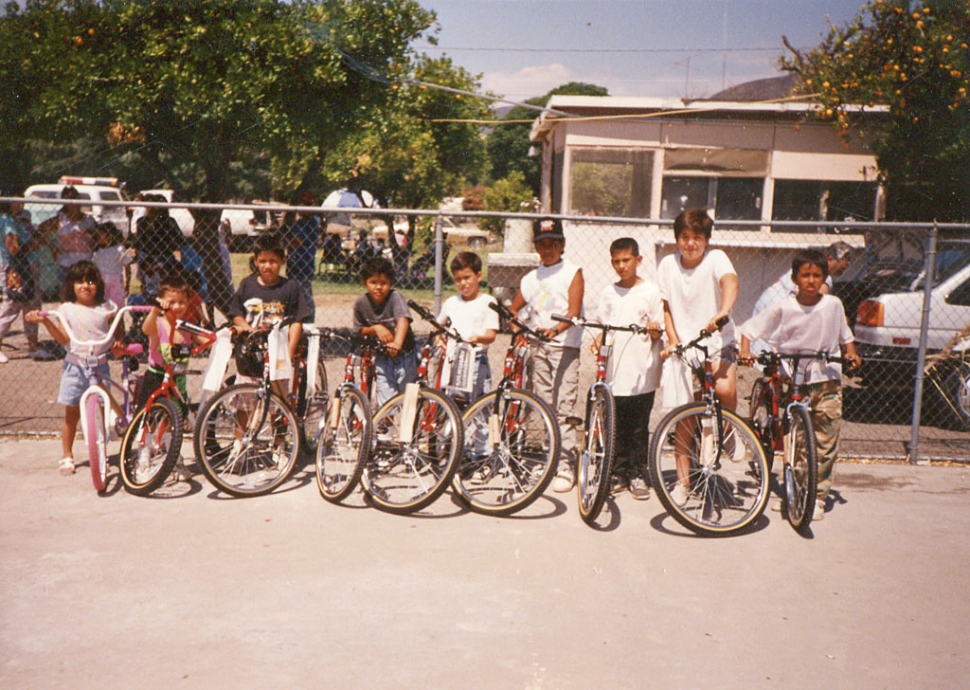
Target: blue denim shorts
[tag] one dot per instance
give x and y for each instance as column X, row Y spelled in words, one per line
column 74, row 381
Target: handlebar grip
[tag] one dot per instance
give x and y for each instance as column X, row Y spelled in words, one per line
column 722, row 322
column 145, row 308
column 561, row 319
column 422, row 311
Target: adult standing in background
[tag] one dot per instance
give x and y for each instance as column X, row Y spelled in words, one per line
column 73, row 229
column 211, row 244
column 301, row 243
column 157, row 245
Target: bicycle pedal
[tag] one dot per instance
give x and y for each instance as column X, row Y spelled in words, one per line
column 575, row 421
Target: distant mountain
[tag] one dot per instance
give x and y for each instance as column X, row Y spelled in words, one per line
column 758, row 90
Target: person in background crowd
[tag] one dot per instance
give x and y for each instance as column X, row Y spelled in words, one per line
column 72, row 227
column 112, row 260
column 302, row 242
column 157, row 244
column 18, row 280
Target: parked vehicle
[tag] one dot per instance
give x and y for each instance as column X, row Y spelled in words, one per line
column 887, row 325
column 182, row 216
column 245, row 225
column 94, row 188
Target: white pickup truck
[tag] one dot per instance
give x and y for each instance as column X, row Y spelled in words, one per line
column 887, row 326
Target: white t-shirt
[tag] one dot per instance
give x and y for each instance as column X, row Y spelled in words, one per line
column 88, row 323
column 546, row 292
column 789, row 327
column 779, row 290
column 635, row 363
column 694, row 296
column 111, row 260
column 470, row 318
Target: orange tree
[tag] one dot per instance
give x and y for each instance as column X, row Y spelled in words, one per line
column 913, row 58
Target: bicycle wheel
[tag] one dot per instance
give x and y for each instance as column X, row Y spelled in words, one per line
column 344, row 448
column 96, row 437
column 713, row 481
column 801, row 468
column 402, row 476
column 248, row 440
column 596, row 462
column 312, row 408
column 759, row 412
column 506, row 470
column 151, row 447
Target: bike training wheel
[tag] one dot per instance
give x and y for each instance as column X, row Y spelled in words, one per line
column 151, row 447
column 596, row 462
column 96, row 437
column 502, row 475
column 313, row 408
column 726, row 484
column 403, row 477
column 343, row 450
column 801, row 469
column 247, row 440
column 759, row 414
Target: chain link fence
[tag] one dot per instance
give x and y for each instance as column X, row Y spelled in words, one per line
column 906, row 289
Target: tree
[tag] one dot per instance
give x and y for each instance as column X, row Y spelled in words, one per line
column 510, row 194
column 204, row 92
column 912, row 57
column 509, row 145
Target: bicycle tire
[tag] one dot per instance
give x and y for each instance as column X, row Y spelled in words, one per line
column 96, row 438
column 244, row 461
column 311, row 410
column 760, row 414
column 596, row 461
column 343, row 451
column 151, row 447
column 403, row 477
column 801, row 468
column 516, row 470
column 727, row 483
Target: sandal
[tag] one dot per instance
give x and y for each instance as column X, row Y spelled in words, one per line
column 67, row 466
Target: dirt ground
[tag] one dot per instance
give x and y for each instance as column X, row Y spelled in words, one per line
column 193, row 589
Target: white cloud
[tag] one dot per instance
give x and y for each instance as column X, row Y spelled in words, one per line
column 528, row 82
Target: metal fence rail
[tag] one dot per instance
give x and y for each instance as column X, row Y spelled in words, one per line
column 911, row 282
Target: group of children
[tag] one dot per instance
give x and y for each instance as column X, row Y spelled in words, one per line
column 696, row 289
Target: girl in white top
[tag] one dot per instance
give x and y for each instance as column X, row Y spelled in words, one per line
column 699, row 287
column 112, row 260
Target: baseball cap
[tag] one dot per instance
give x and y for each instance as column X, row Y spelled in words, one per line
column 547, row 228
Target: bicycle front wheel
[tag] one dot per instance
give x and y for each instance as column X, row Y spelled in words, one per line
column 344, row 446
column 801, row 468
column 415, row 453
column 312, row 407
column 596, row 462
column 512, row 446
column 247, row 439
column 96, row 438
column 151, row 447
column 759, row 412
column 712, row 479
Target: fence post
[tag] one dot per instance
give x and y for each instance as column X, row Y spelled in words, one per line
column 912, row 448
column 439, row 261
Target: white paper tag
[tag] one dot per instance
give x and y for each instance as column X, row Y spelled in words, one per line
column 494, row 429
column 219, row 355
column 280, row 367
column 409, row 411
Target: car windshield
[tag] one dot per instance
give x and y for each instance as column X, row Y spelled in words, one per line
column 950, row 258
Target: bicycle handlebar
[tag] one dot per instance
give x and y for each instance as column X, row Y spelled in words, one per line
column 681, row 348
column 583, row 323
column 111, row 330
column 773, row 358
column 425, row 314
column 506, row 313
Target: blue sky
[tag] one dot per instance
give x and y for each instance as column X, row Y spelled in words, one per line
column 676, row 48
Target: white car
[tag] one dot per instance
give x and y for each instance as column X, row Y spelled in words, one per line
column 93, row 188
column 887, row 326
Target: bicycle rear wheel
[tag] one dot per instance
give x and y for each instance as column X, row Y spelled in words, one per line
column 151, row 447
column 801, row 468
column 759, row 412
column 596, row 462
column 713, row 481
column 508, row 461
column 344, row 448
column 247, row 439
column 96, row 438
column 405, row 475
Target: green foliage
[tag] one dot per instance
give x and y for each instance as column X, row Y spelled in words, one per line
column 509, row 145
column 913, row 58
column 601, row 189
column 510, row 194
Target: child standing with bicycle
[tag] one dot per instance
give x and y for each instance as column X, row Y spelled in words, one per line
column 89, row 317
column 163, row 338
column 810, row 322
column 469, row 313
column 555, row 287
column 634, row 369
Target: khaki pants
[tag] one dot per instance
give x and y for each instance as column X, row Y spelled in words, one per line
column 555, row 379
column 825, row 400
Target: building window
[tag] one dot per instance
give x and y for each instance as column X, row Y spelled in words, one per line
column 610, row 182
column 822, row 200
column 731, row 198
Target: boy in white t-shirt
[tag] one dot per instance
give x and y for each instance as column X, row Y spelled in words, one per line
column 634, row 368
column 555, row 287
column 699, row 287
column 469, row 313
column 810, row 322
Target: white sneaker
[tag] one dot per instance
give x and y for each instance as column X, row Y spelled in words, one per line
column 679, row 494
column 3, row 358
column 565, row 480
column 819, row 513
